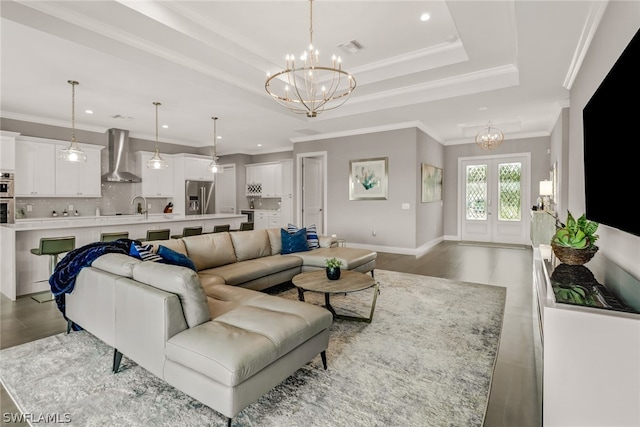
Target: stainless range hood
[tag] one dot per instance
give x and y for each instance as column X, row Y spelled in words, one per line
column 119, row 158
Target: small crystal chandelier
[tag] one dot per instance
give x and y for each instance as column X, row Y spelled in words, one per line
column 311, row 89
column 214, row 167
column 489, row 137
column 157, row 162
column 73, row 153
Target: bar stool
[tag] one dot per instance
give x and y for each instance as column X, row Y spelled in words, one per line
column 162, row 234
column 221, row 228
column 110, row 237
column 52, row 246
column 188, row 231
column 244, row 226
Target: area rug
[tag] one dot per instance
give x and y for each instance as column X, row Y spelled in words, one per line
column 427, row 359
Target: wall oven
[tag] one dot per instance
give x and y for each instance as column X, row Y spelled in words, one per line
column 7, row 203
column 6, row 185
column 7, row 213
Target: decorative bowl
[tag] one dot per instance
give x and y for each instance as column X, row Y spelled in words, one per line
column 574, row 256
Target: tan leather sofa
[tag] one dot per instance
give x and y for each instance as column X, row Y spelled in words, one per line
column 225, row 346
column 253, row 259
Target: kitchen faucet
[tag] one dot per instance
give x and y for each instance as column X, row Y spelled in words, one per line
column 144, row 211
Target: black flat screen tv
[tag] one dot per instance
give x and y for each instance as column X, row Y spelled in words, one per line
column 612, row 144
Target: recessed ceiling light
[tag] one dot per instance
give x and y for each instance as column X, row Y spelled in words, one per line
column 165, row 126
column 259, row 145
column 88, row 111
column 425, row 17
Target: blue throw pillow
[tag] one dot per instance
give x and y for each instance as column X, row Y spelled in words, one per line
column 296, row 242
column 312, row 235
column 144, row 252
column 169, row 256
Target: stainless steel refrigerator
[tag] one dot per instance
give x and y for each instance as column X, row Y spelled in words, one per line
column 199, row 198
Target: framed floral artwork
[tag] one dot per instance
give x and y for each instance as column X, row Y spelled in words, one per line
column 368, row 179
column 431, row 183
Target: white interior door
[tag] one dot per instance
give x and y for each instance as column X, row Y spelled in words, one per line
column 225, row 189
column 312, row 193
column 494, row 195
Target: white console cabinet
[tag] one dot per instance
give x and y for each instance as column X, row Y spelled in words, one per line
column 590, row 358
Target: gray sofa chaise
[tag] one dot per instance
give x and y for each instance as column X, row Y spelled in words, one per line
column 224, row 345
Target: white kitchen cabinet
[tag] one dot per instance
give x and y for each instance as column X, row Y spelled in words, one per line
column 8, row 151
column 275, row 220
column 271, row 180
column 79, row 179
column 264, row 180
column 35, row 169
column 155, row 182
column 261, row 220
column 195, row 169
column 253, row 181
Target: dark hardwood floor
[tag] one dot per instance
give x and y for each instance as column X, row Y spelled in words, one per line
column 514, row 399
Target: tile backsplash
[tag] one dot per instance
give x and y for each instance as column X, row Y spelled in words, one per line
column 116, row 198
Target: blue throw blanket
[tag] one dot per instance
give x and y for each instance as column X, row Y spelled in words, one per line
column 63, row 278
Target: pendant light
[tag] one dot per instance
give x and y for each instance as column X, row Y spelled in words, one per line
column 214, row 167
column 489, row 138
column 73, row 153
column 157, row 162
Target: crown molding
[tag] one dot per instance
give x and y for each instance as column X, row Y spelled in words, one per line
column 588, row 32
column 361, row 131
column 50, row 122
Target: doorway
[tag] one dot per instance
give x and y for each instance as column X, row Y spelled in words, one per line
column 494, row 195
column 312, row 197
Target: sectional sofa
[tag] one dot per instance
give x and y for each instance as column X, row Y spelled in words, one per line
column 253, row 259
column 207, row 331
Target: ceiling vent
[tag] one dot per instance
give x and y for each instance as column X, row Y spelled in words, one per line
column 351, row 47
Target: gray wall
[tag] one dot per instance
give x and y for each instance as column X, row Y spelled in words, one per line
column 560, row 155
column 396, row 229
column 619, row 23
column 429, row 216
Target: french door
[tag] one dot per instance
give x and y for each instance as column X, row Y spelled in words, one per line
column 494, row 199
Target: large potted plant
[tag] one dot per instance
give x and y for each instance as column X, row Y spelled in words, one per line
column 574, row 242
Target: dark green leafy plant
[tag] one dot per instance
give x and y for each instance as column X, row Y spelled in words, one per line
column 577, row 234
column 573, row 294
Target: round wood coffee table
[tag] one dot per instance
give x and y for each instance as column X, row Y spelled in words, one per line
column 350, row 281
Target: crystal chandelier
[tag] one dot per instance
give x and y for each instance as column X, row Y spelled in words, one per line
column 214, row 167
column 73, row 153
column 489, row 137
column 310, row 88
column 157, row 162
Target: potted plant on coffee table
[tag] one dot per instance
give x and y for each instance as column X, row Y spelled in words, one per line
column 333, row 268
column 574, row 243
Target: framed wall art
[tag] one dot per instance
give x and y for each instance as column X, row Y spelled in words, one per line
column 368, row 179
column 431, row 183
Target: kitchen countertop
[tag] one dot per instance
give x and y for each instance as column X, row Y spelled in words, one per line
column 105, row 220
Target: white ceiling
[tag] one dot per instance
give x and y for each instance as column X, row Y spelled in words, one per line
column 510, row 62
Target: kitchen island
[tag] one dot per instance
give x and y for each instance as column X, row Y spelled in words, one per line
column 22, row 273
